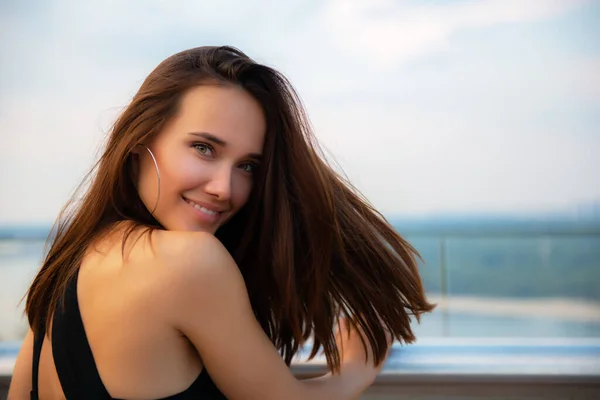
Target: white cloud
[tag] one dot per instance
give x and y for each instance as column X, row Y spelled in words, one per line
column 393, row 32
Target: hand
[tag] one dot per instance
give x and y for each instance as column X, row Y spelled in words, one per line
column 352, row 352
column 358, row 370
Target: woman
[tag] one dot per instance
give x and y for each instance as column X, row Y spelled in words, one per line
column 212, row 242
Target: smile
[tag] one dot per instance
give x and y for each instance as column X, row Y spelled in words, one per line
column 203, row 209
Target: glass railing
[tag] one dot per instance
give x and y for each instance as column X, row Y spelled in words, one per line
column 522, row 279
column 518, row 310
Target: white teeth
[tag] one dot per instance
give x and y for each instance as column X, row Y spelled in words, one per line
column 203, row 209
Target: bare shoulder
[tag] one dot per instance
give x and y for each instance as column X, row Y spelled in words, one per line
column 196, row 261
column 182, row 247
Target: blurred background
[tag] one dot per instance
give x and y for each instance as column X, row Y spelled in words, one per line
column 473, row 125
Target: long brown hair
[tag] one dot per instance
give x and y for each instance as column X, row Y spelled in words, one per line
column 308, row 245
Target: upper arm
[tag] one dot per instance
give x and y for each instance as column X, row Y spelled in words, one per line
column 213, row 311
column 20, row 384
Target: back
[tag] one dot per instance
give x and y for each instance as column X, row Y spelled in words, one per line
column 115, row 334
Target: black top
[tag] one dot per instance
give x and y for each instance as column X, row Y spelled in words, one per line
column 75, row 363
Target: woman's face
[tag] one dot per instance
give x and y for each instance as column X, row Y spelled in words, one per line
column 206, row 155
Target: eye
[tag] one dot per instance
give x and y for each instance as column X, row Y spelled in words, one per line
column 248, row 167
column 203, row 149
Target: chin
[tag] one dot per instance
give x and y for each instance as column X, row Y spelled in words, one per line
column 187, row 227
column 195, row 228
column 199, row 228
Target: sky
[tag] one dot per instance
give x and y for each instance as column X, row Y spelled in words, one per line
column 428, row 107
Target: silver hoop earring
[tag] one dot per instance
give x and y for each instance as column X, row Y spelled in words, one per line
column 157, row 174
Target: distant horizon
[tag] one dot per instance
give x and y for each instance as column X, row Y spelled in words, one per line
column 580, row 212
column 418, row 223
column 559, row 215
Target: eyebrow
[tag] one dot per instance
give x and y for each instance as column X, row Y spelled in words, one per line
column 220, row 142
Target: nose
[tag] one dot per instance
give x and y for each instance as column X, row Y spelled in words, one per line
column 219, row 184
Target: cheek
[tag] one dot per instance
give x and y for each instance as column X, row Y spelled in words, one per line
column 242, row 186
column 182, row 173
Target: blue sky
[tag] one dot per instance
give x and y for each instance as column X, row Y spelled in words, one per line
column 488, row 106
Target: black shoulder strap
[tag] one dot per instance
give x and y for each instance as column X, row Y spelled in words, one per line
column 38, row 340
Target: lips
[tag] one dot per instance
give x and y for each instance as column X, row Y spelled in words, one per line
column 204, row 208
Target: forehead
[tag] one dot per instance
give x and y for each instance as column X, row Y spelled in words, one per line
column 227, row 112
